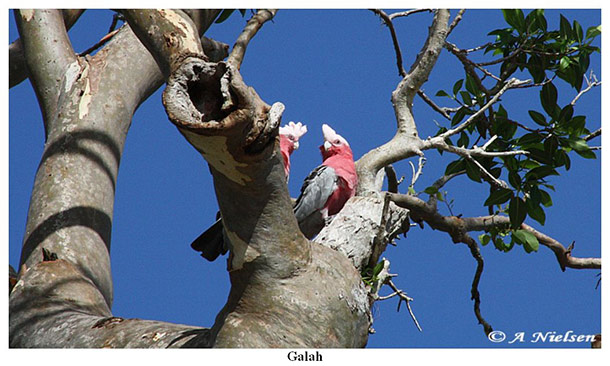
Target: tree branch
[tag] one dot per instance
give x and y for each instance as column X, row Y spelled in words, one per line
column 457, row 227
column 17, row 65
column 406, row 142
column 252, row 27
column 48, row 54
column 169, row 35
column 388, row 22
column 510, row 84
column 408, row 12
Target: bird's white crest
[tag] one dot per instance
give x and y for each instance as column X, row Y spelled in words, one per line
column 295, row 129
column 331, row 136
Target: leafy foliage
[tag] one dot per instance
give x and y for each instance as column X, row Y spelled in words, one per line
column 526, row 47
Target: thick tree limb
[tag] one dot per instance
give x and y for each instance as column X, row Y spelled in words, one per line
column 169, row 35
column 254, row 24
column 47, row 51
column 17, row 65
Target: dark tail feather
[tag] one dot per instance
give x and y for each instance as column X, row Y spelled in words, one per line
column 211, row 242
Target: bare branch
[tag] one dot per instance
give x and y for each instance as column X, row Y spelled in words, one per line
column 388, row 22
column 420, row 168
column 593, row 135
column 456, row 20
column 591, row 83
column 403, row 297
column 393, row 182
column 429, row 101
column 408, row 12
column 99, row 44
column 474, row 291
column 254, row 24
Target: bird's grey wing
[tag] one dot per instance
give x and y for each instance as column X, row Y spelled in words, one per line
column 317, row 188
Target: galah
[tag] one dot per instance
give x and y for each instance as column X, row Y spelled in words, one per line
column 329, row 186
column 289, row 142
column 211, row 242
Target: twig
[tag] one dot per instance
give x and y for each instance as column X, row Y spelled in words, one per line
column 497, row 182
column 252, row 27
column 590, row 85
column 388, row 22
column 474, row 291
column 403, row 297
column 456, row 20
column 420, row 168
column 429, row 101
column 408, row 12
column 99, row 44
column 593, row 135
column 392, row 181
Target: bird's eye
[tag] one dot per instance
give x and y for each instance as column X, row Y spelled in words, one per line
column 336, row 142
column 291, row 137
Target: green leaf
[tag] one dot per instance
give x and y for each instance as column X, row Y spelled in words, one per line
column 458, row 116
column 545, row 198
column 548, row 98
column 593, row 32
column 538, row 118
column 541, row 172
column 431, row 190
column 457, row 86
column 463, row 140
column 564, row 63
column 527, row 239
column 499, row 244
column 539, row 155
column 514, row 179
column 441, row 93
column 566, row 114
column 577, row 31
column 498, row 197
column 565, row 30
column 466, row 98
column 484, row 239
column 529, row 139
column 473, row 172
column 516, row 211
column 455, row 166
column 579, row 144
column 535, row 211
column 471, row 85
column 411, row 191
column 515, row 18
column 224, row 15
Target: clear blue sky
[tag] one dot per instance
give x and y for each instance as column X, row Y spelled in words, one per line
column 336, row 67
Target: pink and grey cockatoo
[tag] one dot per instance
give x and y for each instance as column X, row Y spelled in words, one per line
column 211, row 243
column 327, row 187
column 289, row 142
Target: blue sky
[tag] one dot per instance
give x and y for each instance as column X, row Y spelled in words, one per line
column 335, row 67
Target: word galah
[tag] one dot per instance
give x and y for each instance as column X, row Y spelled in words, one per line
column 329, row 186
column 211, row 243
